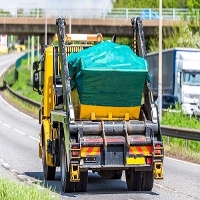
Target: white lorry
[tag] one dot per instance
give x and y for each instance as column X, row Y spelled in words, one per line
column 180, row 76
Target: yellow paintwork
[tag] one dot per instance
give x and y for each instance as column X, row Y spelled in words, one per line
column 74, row 173
column 90, row 151
column 47, row 136
column 73, row 48
column 92, row 112
column 135, row 161
column 20, row 47
column 40, row 150
column 108, row 112
column 47, row 102
column 4, row 49
column 48, row 92
column 144, row 150
column 158, row 170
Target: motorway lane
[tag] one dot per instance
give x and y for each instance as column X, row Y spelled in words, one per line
column 19, row 138
column 19, row 132
column 7, row 60
column 19, row 148
column 181, row 182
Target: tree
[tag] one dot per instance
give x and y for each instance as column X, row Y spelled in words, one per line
column 150, row 4
column 187, row 34
column 5, row 13
column 181, row 36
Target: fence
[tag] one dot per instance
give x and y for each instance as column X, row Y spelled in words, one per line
column 120, row 13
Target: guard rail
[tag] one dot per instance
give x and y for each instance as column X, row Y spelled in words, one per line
column 119, row 13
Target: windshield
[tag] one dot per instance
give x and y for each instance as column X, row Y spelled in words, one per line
column 191, row 78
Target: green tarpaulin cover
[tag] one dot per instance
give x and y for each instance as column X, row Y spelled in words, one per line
column 108, row 74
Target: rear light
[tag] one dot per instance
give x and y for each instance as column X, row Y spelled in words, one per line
column 75, row 150
column 75, row 147
column 157, row 149
column 149, row 161
column 75, row 153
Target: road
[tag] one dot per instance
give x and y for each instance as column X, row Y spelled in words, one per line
column 19, row 137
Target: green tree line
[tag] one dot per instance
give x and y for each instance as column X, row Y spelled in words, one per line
column 186, row 34
column 155, row 4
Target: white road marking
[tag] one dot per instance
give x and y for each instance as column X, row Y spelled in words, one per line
column 161, row 186
column 24, row 114
column 19, row 131
column 6, row 125
column 15, row 109
column 34, row 138
column 5, row 102
column 186, row 162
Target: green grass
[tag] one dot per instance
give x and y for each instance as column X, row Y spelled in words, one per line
column 12, row 190
column 182, row 120
column 179, row 119
column 23, row 85
column 177, row 147
column 10, row 76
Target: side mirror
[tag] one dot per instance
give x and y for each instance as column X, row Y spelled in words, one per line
column 36, row 83
column 36, row 65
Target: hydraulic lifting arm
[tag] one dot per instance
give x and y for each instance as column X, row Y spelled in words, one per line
column 138, row 44
column 68, row 106
column 149, row 109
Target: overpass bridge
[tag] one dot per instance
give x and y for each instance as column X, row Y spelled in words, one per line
column 33, row 21
column 108, row 27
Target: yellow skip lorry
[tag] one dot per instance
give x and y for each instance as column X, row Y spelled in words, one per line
column 97, row 113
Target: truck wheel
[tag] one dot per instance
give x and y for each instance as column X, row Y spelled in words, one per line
column 133, row 179
column 82, row 185
column 49, row 171
column 147, row 180
column 118, row 174
column 67, row 186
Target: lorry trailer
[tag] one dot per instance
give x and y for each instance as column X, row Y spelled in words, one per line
column 180, row 75
column 97, row 113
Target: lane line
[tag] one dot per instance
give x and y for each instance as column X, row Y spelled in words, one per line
column 6, row 125
column 183, row 161
column 19, row 131
column 166, row 188
column 34, row 138
column 23, row 114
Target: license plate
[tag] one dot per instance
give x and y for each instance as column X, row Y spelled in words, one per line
column 135, row 161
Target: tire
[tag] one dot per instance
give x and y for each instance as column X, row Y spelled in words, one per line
column 67, row 186
column 133, row 179
column 118, row 174
column 49, row 171
column 82, row 185
column 147, row 180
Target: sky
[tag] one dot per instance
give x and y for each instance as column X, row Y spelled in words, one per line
column 83, row 4
column 79, row 8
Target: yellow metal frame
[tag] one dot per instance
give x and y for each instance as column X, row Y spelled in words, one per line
column 158, row 170
column 48, row 91
column 108, row 112
column 74, row 173
column 47, row 136
column 135, row 161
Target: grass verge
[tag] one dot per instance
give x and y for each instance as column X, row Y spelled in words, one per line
column 12, row 190
column 188, row 150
